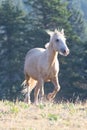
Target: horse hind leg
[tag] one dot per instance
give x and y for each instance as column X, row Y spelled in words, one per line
column 27, row 96
column 41, row 93
column 38, row 90
column 30, row 83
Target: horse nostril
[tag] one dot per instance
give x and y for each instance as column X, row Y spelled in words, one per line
column 63, row 51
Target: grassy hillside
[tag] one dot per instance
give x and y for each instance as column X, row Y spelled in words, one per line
column 50, row 116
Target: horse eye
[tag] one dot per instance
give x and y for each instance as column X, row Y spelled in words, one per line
column 57, row 40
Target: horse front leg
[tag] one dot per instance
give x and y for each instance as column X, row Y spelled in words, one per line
column 52, row 95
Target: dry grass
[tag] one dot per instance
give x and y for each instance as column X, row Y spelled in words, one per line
column 50, row 116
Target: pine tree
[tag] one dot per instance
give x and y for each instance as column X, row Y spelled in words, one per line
column 12, row 29
column 49, row 14
column 76, row 19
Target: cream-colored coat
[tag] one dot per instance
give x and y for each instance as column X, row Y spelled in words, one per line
column 41, row 65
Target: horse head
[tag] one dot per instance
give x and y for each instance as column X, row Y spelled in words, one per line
column 58, row 40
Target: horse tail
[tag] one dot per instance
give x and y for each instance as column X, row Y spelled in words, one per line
column 24, row 84
column 31, row 83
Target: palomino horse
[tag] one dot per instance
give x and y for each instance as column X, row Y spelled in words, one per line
column 41, row 65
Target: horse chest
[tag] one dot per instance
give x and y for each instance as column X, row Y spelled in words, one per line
column 51, row 72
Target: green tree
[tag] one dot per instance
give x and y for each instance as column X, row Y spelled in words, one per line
column 12, row 31
column 49, row 14
column 77, row 18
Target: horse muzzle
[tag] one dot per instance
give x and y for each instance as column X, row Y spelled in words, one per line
column 65, row 52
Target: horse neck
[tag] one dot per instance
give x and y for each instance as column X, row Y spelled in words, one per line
column 51, row 53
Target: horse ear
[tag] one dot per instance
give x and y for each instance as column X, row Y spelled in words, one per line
column 62, row 31
column 49, row 32
column 46, row 45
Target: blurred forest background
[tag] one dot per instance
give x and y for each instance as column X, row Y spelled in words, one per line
column 22, row 27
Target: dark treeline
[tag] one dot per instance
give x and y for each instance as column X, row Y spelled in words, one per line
column 22, row 27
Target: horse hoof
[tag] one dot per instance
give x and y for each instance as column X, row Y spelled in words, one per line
column 50, row 97
column 29, row 102
column 36, row 103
